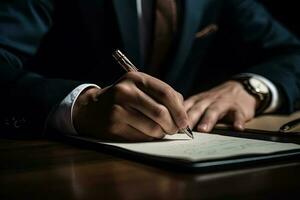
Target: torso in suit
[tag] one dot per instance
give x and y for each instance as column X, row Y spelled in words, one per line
column 49, row 47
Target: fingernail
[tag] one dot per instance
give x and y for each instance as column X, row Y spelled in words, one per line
column 239, row 126
column 203, row 127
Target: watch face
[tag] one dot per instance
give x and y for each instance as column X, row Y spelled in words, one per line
column 258, row 86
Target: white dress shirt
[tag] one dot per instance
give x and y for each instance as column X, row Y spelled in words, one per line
column 61, row 119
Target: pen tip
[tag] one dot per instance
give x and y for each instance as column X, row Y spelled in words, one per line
column 190, row 132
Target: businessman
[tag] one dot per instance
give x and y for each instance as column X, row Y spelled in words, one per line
column 203, row 61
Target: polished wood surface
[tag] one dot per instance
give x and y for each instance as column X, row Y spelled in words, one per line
column 44, row 169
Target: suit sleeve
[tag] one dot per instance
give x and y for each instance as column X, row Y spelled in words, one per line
column 27, row 98
column 279, row 48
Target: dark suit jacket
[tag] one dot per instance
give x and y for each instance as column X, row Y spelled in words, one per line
column 49, row 47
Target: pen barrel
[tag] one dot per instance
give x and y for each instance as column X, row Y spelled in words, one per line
column 124, row 62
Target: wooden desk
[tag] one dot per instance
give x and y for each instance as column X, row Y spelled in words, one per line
column 52, row 170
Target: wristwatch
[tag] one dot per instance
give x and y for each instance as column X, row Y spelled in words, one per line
column 258, row 89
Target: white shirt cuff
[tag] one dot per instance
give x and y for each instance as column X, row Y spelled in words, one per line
column 276, row 98
column 61, row 119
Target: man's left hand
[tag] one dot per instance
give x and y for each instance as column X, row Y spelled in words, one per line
column 228, row 101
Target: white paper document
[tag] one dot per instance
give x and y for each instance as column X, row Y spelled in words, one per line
column 205, row 147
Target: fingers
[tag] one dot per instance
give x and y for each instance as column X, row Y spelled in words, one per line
column 228, row 100
column 129, row 124
column 155, row 111
column 212, row 114
column 141, row 108
column 151, row 110
column 144, row 124
column 239, row 121
column 190, row 102
column 219, row 110
column 166, row 96
column 196, row 111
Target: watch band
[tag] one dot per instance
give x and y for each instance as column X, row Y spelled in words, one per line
column 264, row 99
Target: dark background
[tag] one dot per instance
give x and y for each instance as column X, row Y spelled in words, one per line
column 285, row 11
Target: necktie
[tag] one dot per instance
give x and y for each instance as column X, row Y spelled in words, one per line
column 165, row 26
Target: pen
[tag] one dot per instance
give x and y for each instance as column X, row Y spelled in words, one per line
column 129, row 67
column 289, row 125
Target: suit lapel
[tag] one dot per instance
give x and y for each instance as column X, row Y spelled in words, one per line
column 126, row 11
column 128, row 25
column 193, row 11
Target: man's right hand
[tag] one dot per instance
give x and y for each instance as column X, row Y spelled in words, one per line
column 137, row 107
